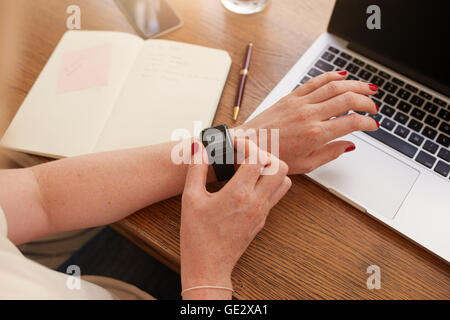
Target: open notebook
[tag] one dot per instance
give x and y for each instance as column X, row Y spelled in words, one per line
column 108, row 90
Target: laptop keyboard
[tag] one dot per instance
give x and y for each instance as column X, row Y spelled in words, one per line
column 412, row 121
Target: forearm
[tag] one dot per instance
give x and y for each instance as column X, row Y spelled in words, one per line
column 89, row 190
column 102, row 188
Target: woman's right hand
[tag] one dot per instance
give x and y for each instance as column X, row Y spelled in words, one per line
column 309, row 121
column 216, row 228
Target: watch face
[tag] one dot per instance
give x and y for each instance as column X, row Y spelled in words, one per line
column 214, row 140
column 217, row 146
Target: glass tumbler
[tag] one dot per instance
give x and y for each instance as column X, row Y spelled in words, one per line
column 245, row 6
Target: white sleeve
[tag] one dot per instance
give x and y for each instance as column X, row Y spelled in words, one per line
column 3, row 225
column 21, row 278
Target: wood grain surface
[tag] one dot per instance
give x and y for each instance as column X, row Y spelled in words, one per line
column 314, row 245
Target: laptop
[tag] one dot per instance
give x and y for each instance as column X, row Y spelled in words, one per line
column 399, row 174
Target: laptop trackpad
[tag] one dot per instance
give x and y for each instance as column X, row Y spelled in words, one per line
column 369, row 177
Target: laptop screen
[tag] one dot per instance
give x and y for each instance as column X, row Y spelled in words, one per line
column 411, row 37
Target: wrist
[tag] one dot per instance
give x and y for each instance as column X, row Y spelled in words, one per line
column 208, row 294
column 193, row 280
column 234, row 132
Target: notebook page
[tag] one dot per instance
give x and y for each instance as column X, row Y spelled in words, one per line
column 67, row 107
column 170, row 86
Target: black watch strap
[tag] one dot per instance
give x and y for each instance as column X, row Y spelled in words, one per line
column 220, row 148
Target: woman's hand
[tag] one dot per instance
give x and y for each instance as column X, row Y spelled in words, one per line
column 304, row 120
column 216, row 228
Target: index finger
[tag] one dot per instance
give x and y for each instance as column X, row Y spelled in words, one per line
column 197, row 173
column 319, row 81
column 335, row 88
column 254, row 161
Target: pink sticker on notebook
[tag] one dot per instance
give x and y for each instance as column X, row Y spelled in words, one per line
column 84, row 69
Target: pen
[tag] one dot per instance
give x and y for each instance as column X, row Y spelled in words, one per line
column 242, row 80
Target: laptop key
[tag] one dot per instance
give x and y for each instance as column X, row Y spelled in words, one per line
column 417, row 101
column 401, row 117
column 371, row 68
column 416, row 139
column 388, row 124
column 418, row 114
column 358, row 62
column 444, row 154
column 352, row 68
column 380, row 93
column 305, row 78
column 425, row 159
column 401, row 131
column 415, row 125
column 388, row 111
column 439, row 102
column 390, row 87
column 323, row 65
column 333, row 49
column 431, row 108
column 429, row 133
column 390, row 99
column 393, row 142
column 445, row 128
column 346, row 56
column 352, row 77
column 328, row 56
column 403, row 106
column 443, row 140
column 425, row 95
column 403, row 94
column 442, row 168
column 432, row 121
column 363, row 74
column 377, row 117
column 431, row 147
column 411, row 88
column 314, row 72
column 444, row 114
column 377, row 80
column 384, row 75
column 398, row 82
column 340, row 62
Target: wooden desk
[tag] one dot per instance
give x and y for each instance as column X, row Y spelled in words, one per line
column 314, row 245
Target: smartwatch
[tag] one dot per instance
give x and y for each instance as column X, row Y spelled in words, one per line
column 220, row 149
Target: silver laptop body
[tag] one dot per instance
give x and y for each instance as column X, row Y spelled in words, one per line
column 390, row 185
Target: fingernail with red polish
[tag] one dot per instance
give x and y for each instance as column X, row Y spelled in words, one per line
column 378, row 108
column 351, row 148
column 194, row 148
column 378, row 124
column 373, row 87
column 343, row 73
